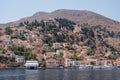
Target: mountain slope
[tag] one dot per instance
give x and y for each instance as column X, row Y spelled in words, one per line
column 78, row 16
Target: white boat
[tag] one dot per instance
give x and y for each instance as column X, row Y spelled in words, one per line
column 83, row 67
column 31, row 65
column 104, row 67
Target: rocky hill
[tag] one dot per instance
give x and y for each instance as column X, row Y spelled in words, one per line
column 62, row 34
column 77, row 16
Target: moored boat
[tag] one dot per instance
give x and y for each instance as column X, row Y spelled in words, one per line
column 104, row 67
column 31, row 65
column 85, row 67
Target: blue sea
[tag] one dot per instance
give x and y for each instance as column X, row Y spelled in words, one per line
column 58, row 74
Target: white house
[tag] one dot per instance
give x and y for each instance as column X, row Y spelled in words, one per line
column 78, row 63
column 19, row 58
column 56, row 45
column 7, row 40
column 59, row 52
column 68, row 63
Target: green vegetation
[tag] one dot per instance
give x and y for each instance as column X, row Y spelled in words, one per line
column 59, row 38
column 112, row 57
column 91, row 38
column 8, row 30
column 88, row 32
column 14, row 64
column 70, row 47
column 47, row 40
column 43, row 62
column 19, row 37
column 29, row 27
column 92, row 63
column 3, row 50
column 6, row 60
column 75, row 57
column 90, row 52
column 69, row 25
column 22, row 51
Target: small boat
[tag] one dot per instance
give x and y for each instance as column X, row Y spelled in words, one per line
column 104, row 67
column 97, row 67
column 85, row 67
column 31, row 65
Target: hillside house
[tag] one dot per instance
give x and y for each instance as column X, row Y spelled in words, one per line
column 51, row 63
column 65, row 44
column 19, row 42
column 67, row 54
column 118, row 62
column 68, row 62
column 72, row 51
column 13, row 28
column 21, row 29
column 60, row 52
column 109, row 62
column 2, row 31
column 101, row 63
column 19, row 58
column 44, row 47
column 60, row 61
column 3, row 37
column 6, row 42
column 56, row 45
column 27, row 35
column 76, row 63
column 6, row 39
column 40, row 28
column 92, row 61
column 109, row 53
column 50, row 54
column 75, row 46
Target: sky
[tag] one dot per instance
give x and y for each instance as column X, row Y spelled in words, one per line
column 12, row 10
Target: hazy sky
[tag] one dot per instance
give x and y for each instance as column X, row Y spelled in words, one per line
column 12, row 10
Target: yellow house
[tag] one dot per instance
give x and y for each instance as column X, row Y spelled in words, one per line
column 51, row 63
column 118, row 62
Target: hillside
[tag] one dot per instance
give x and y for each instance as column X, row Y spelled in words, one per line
column 59, row 39
column 77, row 16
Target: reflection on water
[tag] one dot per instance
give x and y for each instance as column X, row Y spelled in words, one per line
column 58, row 74
column 12, row 74
column 31, row 74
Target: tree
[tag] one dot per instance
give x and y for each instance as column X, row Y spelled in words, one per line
column 84, row 30
column 47, row 39
column 3, row 50
column 90, row 52
column 91, row 33
column 8, row 30
column 21, row 24
column 70, row 47
column 66, row 23
column 42, row 23
column 22, row 37
column 59, row 38
column 43, row 64
column 75, row 57
column 112, row 57
column 22, row 51
column 92, row 63
column 29, row 27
